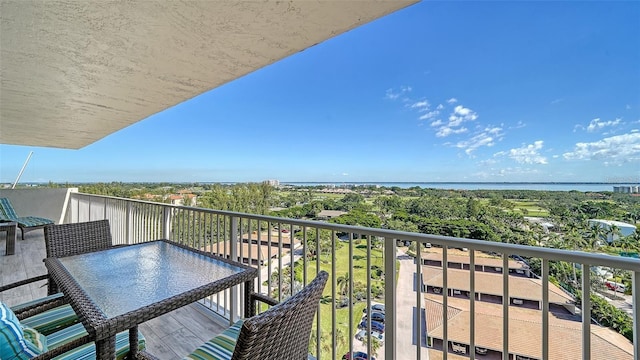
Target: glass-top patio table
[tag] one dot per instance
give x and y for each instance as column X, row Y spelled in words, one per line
column 116, row 289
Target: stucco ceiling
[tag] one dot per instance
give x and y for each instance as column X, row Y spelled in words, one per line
column 73, row 72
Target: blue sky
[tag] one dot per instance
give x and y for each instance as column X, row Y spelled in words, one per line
column 440, row 91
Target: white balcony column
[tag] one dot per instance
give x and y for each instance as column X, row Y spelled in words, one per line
column 390, row 297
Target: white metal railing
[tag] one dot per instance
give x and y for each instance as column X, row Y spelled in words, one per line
column 231, row 234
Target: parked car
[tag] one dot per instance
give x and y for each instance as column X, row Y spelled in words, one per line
column 614, row 286
column 357, row 355
column 362, row 334
column 375, row 308
column 375, row 316
column 375, row 326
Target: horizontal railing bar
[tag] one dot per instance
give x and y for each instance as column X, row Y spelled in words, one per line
column 617, row 262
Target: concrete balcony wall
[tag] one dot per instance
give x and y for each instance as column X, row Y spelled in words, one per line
column 46, row 203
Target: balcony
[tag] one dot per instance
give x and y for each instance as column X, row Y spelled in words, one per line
column 367, row 266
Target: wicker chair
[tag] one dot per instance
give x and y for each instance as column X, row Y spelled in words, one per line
column 283, row 331
column 74, row 239
column 62, row 240
column 280, row 333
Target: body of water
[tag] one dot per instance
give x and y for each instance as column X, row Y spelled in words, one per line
column 583, row 187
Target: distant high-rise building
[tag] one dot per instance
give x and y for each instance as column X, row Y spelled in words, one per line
column 627, row 189
column 271, row 182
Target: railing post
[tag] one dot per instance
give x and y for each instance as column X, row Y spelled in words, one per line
column 166, row 222
column 390, row 297
column 635, row 288
column 90, row 198
column 129, row 220
column 586, row 312
column 234, row 297
column 104, row 210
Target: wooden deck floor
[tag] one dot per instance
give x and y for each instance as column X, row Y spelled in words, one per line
column 171, row 336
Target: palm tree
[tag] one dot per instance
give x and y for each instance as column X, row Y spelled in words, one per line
column 344, row 283
column 375, row 344
column 594, row 235
column 629, row 243
column 613, row 232
column 574, row 241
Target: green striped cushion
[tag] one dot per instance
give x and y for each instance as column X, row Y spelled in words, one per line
column 36, row 338
column 12, row 342
column 17, row 308
column 88, row 351
column 65, row 335
column 6, row 209
column 51, row 320
column 220, row 347
column 30, row 221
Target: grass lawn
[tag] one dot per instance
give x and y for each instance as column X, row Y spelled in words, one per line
column 530, row 208
column 342, row 315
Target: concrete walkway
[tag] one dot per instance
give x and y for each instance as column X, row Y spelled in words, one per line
column 405, row 311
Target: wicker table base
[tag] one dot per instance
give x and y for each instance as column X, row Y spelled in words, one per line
column 10, row 228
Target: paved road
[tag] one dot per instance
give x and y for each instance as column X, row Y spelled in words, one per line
column 405, row 311
column 286, row 260
column 405, row 308
column 625, row 304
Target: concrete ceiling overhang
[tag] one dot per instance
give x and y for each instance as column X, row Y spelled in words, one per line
column 73, row 72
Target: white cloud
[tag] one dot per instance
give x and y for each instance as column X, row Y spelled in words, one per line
column 556, row 101
column 628, row 107
column 597, row 124
column 421, row 105
column 454, row 125
column 345, row 174
column 461, row 114
column 445, row 131
column 452, row 101
column 528, row 154
column 466, row 113
column 392, row 94
column 487, row 137
column 440, row 107
column 614, row 150
column 429, row 115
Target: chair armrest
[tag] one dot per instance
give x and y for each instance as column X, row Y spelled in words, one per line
column 59, row 350
column 263, row 298
column 37, row 306
column 23, row 282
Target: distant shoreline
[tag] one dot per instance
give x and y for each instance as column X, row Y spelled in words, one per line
column 535, row 186
column 458, row 182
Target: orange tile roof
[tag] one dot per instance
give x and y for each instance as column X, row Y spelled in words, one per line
column 462, row 257
column 525, row 331
column 491, row 283
column 275, row 238
column 437, row 355
column 257, row 251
